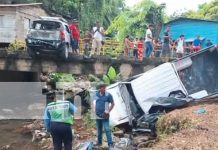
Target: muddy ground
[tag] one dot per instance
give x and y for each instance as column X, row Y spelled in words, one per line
column 201, row 134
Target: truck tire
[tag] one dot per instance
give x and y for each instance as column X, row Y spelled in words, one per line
column 65, row 52
column 31, row 53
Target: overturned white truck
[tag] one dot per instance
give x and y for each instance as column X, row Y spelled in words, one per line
column 196, row 75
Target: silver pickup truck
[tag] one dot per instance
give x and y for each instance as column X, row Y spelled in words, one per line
column 49, row 35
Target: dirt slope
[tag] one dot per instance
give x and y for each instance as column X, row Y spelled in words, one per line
column 202, row 134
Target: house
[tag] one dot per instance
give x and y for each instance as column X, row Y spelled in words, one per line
column 191, row 28
column 15, row 20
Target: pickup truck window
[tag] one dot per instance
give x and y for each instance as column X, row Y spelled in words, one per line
column 46, row 25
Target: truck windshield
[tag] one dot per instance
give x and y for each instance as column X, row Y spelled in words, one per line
column 46, row 25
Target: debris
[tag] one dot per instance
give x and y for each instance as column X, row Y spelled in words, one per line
column 124, row 143
column 200, row 111
column 87, row 146
column 6, row 147
column 119, row 133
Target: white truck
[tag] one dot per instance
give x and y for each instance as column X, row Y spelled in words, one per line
column 195, row 75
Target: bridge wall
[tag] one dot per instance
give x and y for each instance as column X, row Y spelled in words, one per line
column 77, row 65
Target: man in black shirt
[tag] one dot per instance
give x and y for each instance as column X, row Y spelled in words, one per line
column 166, row 44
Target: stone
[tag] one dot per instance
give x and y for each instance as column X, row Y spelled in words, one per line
column 125, row 70
column 100, row 69
column 6, row 147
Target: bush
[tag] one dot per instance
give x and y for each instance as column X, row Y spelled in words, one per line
column 168, row 124
column 17, row 45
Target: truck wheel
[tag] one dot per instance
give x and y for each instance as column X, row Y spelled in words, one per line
column 31, row 53
column 65, row 52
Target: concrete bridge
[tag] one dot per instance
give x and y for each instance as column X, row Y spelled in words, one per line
column 76, row 65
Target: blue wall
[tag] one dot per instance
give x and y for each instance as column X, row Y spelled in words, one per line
column 191, row 28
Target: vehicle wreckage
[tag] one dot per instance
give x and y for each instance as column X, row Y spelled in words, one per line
column 140, row 99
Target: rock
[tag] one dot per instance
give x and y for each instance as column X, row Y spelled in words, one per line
column 39, row 135
column 140, row 139
column 6, row 147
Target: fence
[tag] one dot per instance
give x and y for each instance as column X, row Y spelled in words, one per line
column 107, row 47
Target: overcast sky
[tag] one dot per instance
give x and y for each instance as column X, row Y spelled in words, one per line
column 174, row 5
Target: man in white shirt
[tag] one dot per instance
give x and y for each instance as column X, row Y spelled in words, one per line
column 148, row 41
column 98, row 35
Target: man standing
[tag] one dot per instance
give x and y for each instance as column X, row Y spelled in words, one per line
column 98, row 35
column 166, row 44
column 209, row 43
column 58, row 121
column 103, row 105
column 148, row 41
column 75, row 35
column 197, row 44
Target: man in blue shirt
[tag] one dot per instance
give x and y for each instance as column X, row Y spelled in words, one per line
column 58, row 121
column 103, row 105
column 197, row 44
column 209, row 43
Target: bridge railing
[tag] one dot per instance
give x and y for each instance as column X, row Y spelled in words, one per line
column 109, row 46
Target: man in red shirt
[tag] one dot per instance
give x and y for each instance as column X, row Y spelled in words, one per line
column 75, row 32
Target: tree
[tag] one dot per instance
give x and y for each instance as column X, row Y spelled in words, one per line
column 134, row 21
column 86, row 11
column 207, row 11
column 103, row 11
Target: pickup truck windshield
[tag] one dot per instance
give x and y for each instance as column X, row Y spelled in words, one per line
column 46, row 25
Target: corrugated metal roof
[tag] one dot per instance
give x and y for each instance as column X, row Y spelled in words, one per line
column 19, row 5
column 190, row 19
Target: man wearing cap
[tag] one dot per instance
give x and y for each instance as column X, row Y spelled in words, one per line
column 103, row 105
column 58, row 121
column 75, row 34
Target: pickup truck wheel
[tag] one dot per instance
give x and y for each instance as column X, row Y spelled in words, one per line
column 65, row 52
column 31, row 53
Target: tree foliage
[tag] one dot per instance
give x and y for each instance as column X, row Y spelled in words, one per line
column 134, row 21
column 207, row 11
column 86, row 11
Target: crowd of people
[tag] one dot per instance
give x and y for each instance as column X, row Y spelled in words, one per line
column 138, row 48
column 93, row 40
column 149, row 46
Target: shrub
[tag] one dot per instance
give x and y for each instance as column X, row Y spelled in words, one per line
column 168, row 124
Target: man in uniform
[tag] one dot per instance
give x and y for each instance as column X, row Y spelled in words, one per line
column 58, row 121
